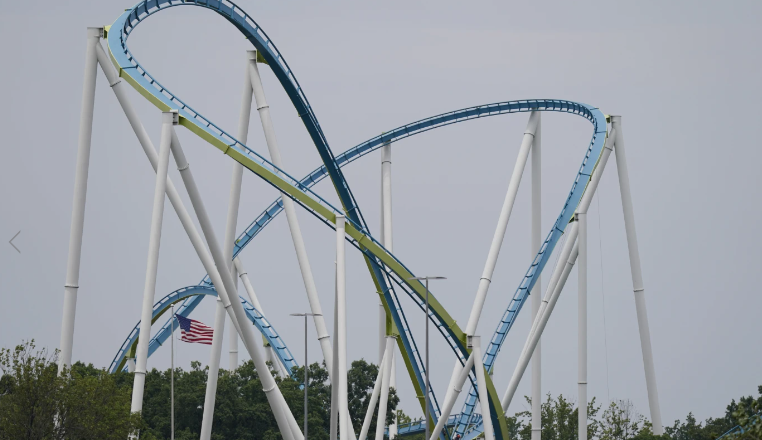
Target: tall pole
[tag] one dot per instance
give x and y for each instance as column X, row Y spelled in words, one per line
column 481, row 383
column 582, row 326
column 637, row 276
column 428, row 371
column 341, row 301
column 558, row 278
column 168, row 119
column 283, row 415
column 306, row 380
column 293, row 223
column 387, row 237
column 497, row 239
column 214, row 372
column 172, row 376
column 235, row 195
column 383, row 402
column 80, row 194
column 536, row 242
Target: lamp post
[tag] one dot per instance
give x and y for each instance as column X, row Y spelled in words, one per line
column 428, row 372
column 306, row 365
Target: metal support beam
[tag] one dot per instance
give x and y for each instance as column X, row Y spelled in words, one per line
column 481, row 383
column 283, row 416
column 388, row 242
column 637, row 276
column 385, row 383
column 452, row 396
column 154, row 242
column 214, row 371
column 341, row 318
column 374, row 396
column 536, row 293
column 582, row 327
column 293, row 223
column 80, row 195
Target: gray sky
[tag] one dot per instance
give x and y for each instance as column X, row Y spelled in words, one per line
column 684, row 76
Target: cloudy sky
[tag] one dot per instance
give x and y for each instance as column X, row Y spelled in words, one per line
column 684, row 76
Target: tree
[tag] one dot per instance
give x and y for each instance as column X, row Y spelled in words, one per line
column 560, row 420
column 81, row 403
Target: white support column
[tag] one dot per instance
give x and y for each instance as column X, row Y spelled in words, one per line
column 341, row 337
column 373, row 397
column 386, row 185
column 637, row 276
column 293, row 222
column 174, row 197
column 334, row 419
column 80, row 195
column 214, row 371
column 235, row 193
column 381, row 310
column 452, row 396
column 536, row 242
column 565, row 264
column 254, row 300
column 167, row 120
column 283, row 415
column 582, row 326
column 502, row 224
column 481, row 383
column 383, row 403
column 558, row 279
column 497, row 239
column 232, row 334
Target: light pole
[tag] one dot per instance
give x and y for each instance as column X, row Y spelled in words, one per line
column 306, row 365
column 428, row 372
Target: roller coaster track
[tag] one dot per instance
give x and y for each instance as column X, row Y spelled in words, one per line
column 387, row 271
column 262, row 324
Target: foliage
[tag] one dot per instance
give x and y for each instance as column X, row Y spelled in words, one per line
column 38, row 403
column 560, row 420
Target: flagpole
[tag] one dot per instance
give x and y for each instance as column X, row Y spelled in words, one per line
column 172, row 375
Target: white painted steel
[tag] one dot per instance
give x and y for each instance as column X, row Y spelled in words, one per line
column 373, row 397
column 383, row 402
column 334, row 419
column 637, row 276
column 481, row 383
column 536, row 293
column 130, row 365
column 452, row 396
column 154, row 242
column 583, row 206
column 214, row 371
column 117, row 85
column 80, row 195
column 235, row 191
column 497, row 239
column 565, row 262
column 283, row 415
column 387, row 237
column 293, row 222
column 341, row 337
column 232, row 333
column 381, row 310
column 172, row 374
column 582, row 327
column 502, row 225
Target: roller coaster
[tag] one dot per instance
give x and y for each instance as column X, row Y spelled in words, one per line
column 390, row 276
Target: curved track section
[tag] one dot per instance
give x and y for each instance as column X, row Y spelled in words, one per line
column 383, row 265
column 163, row 305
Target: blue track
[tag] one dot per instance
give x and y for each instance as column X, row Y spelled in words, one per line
column 124, row 60
column 262, row 324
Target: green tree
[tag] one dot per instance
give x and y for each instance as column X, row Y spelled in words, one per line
column 82, row 403
column 560, row 420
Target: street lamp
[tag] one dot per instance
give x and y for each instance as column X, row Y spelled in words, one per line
column 428, row 372
column 306, row 365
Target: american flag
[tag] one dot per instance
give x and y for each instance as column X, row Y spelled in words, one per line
column 194, row 331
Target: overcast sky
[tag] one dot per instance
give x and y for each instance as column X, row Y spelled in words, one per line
column 684, row 76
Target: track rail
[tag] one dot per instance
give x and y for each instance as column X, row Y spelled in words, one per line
column 386, row 269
